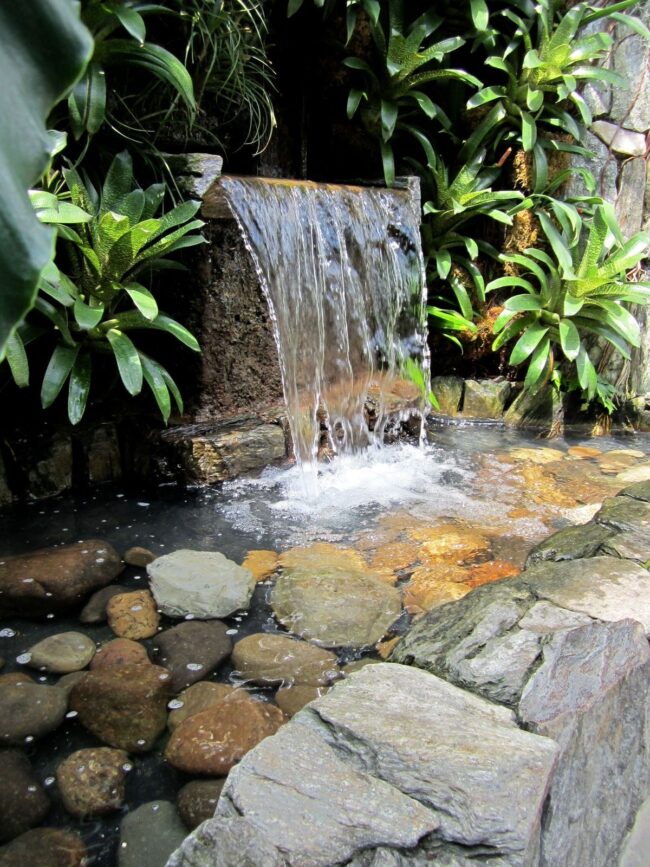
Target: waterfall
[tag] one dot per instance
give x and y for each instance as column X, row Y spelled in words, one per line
column 342, row 271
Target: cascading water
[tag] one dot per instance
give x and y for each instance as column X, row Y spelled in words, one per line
column 342, row 271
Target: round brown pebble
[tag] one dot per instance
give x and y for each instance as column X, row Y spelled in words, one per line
column 91, row 781
column 140, row 557
column 133, row 615
column 197, row 801
column 200, row 696
column 44, row 847
column 23, row 802
column 120, row 651
column 291, row 699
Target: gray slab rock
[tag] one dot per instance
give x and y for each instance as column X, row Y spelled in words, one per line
column 629, row 546
column 622, row 141
column 223, row 455
column 631, row 104
column 631, row 192
column 591, row 696
column 638, row 491
column 544, row 617
column 202, row 584
column 541, row 409
column 625, row 513
column 483, row 778
column 227, row 841
column 605, row 588
column 637, row 844
column 485, row 398
column 149, row 835
column 572, row 543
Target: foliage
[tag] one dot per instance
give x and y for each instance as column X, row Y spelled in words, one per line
column 44, row 51
column 414, row 371
column 576, row 290
column 116, row 240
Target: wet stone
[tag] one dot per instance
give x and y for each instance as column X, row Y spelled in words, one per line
column 44, row 847
column 625, row 513
column 448, row 391
column 133, row 615
column 94, row 610
column 191, row 651
column 140, row 557
column 202, row 584
column 197, row 801
column 62, row 653
column 212, row 741
column 124, row 706
column 291, row 699
column 261, row 563
column 23, row 802
column 485, row 398
column 68, row 680
column 200, row 696
column 638, row 491
column 638, row 473
column 120, row 651
column 630, row 546
column 91, row 781
column 13, row 677
column 149, row 835
column 55, row 579
column 572, row 543
column 29, row 711
column 267, row 658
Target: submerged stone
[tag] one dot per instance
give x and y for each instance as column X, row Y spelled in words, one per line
column 192, row 651
column 200, row 696
column 62, row 653
column 94, row 610
column 261, row 563
column 197, row 801
column 23, row 802
column 91, row 782
column 133, row 615
column 203, row 584
column 45, row 847
column 29, row 711
column 149, row 835
column 572, row 543
column 268, row 658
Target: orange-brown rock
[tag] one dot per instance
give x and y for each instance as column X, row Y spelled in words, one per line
column 212, row 741
column 494, row 570
column 451, row 543
column 261, row 563
column 139, row 557
column 120, row 651
column 394, row 556
column 196, row 698
column 425, row 591
column 322, row 554
column 583, row 452
column 291, row 699
column 385, row 648
column 133, row 615
column 91, row 781
column 45, row 847
column 14, row 677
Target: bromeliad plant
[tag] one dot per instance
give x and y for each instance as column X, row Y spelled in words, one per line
column 99, row 301
column 577, row 292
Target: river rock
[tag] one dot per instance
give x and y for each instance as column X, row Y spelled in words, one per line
column 192, row 651
column 120, row 651
column 630, row 546
column 14, row 677
column 200, row 696
column 55, row 579
column 62, row 653
column 29, row 711
column 23, row 802
column 261, row 563
column 212, row 741
column 625, row 513
column 202, row 584
column 291, row 699
column 571, row 543
column 448, row 391
column 124, row 706
column 149, row 835
column 638, row 473
column 68, row 680
column 590, row 695
column 638, row 491
column 140, row 557
column 45, row 847
column 91, row 781
column 335, row 609
column 267, row 658
column 94, row 611
column 133, row 615
column 197, row 801
column 485, row 398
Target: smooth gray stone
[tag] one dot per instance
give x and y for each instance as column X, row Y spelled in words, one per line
column 231, row 841
column 631, row 193
column 625, row 513
column 485, row 398
column 572, row 543
column 591, row 696
column 630, row 546
column 544, row 617
column 622, row 141
column 149, row 835
column 202, row 584
column 464, row 758
column 605, row 588
column 638, row 491
column 631, row 104
column 637, row 845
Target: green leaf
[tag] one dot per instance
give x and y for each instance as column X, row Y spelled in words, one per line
column 132, row 21
column 388, row 162
column 488, row 94
column 79, row 387
column 569, row 339
column 389, row 113
column 572, row 305
column 87, row 317
column 153, row 376
column 558, row 244
column 127, row 359
column 354, row 100
column 480, row 14
column 59, row 368
column 293, row 6
column 443, row 263
column 528, row 131
column 527, row 343
column 507, row 282
column 17, row 360
column 44, row 50
column 521, row 303
column 534, row 99
column 587, row 376
column 538, row 363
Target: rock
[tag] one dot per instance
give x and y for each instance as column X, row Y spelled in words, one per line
column 536, row 456
column 224, row 842
column 191, row 651
column 589, row 695
column 212, row 741
column 55, row 579
column 603, row 167
column 638, row 491
column 197, row 801
column 203, row 584
column 543, row 409
column 453, row 544
column 267, row 658
column 637, row 842
column 68, row 680
column 492, row 570
column 133, row 615
column 120, row 651
column 629, row 546
column 102, row 452
column 48, row 464
column 140, row 557
column 62, row 653
column 638, row 473
column 291, row 699
column 200, row 696
column 29, row 711
column 94, row 610
column 334, row 609
column 544, row 617
column 262, row 564
column 425, row 591
column 605, row 588
column 631, row 57
column 91, row 781
column 622, row 141
column 448, row 391
column 485, row 398
column 228, row 454
column 23, row 802
column 358, row 664
column 584, row 452
column 124, row 706
column 45, row 847
column 629, row 202
column 149, row 835
column 322, row 556
column 14, row 677
column 625, row 513
column 572, row 543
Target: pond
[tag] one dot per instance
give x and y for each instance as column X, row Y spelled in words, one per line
column 398, row 531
